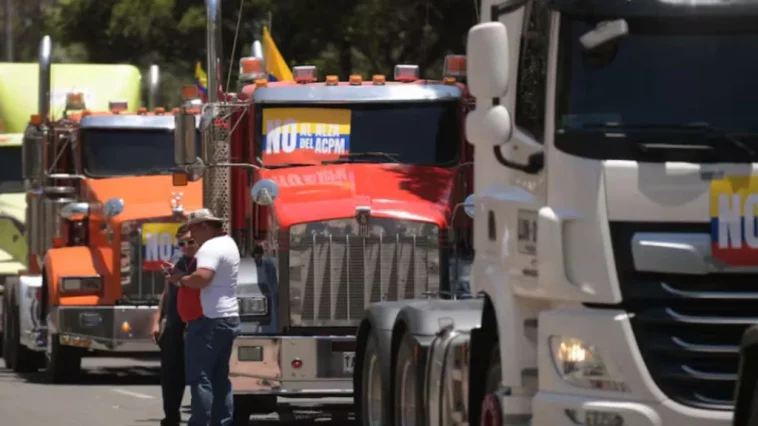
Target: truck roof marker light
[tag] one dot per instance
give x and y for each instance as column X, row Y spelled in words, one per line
column 35, row 120
column 190, row 92
column 141, row 110
column 450, row 81
column 305, row 74
column 356, row 80
column 261, row 82
column 159, row 110
column 75, row 101
column 179, row 178
column 118, row 106
column 251, row 68
column 406, row 73
column 378, row 80
column 455, row 66
column 332, row 80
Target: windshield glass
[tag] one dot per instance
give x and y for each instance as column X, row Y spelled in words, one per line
column 664, row 72
column 11, row 177
column 125, row 152
column 427, row 133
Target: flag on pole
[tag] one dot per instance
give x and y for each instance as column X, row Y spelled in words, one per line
column 276, row 68
column 201, row 79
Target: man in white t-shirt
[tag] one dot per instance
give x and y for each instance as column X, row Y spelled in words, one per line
column 209, row 339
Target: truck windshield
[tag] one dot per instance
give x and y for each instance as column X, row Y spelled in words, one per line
column 665, row 72
column 11, row 178
column 427, row 133
column 127, row 152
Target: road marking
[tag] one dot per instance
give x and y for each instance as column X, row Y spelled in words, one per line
column 133, row 394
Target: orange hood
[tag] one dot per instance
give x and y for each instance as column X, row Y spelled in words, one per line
column 313, row 193
column 145, row 197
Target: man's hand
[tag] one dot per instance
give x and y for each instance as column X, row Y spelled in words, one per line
column 156, row 332
column 175, row 277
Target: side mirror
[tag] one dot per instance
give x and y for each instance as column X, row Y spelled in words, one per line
column 264, row 192
column 486, row 127
column 113, row 207
column 74, row 209
column 185, row 138
column 487, row 60
column 468, row 206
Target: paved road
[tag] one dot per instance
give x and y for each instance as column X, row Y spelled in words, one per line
column 112, row 392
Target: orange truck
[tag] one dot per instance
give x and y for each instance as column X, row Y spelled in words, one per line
column 102, row 214
column 339, row 194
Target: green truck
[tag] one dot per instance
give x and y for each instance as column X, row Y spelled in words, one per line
column 100, row 85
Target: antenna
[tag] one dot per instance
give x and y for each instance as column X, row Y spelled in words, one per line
column 234, row 46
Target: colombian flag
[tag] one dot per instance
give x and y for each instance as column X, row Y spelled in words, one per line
column 276, row 67
column 201, row 79
column 734, row 225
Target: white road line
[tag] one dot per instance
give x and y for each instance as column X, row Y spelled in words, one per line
column 133, row 394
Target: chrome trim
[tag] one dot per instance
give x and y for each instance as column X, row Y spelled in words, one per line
column 274, row 374
column 714, row 349
column 107, row 333
column 389, row 93
column 710, row 320
column 128, row 121
column 43, row 96
column 703, row 375
column 710, row 294
column 213, row 47
column 679, row 253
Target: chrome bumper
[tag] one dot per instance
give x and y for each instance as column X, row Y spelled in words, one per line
column 268, row 365
column 105, row 328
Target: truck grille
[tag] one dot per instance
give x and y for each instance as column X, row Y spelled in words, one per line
column 334, row 273
column 688, row 327
column 137, row 284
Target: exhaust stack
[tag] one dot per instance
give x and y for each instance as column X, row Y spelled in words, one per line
column 213, row 42
column 154, row 88
column 43, row 104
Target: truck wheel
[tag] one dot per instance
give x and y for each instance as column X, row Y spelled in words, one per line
column 407, row 405
column 62, row 363
column 374, row 400
column 22, row 359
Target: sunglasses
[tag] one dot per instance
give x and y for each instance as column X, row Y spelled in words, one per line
column 186, row 243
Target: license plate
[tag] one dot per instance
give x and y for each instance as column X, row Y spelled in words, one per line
column 348, row 362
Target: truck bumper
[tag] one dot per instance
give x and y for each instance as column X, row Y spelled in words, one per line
column 560, row 403
column 293, row 366
column 105, row 328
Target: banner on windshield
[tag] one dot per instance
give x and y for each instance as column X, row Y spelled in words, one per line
column 734, row 221
column 158, row 244
column 305, row 135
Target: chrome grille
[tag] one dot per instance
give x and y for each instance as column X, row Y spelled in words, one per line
column 688, row 327
column 334, row 273
column 138, row 285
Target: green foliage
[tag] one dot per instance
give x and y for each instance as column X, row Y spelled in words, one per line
column 340, row 37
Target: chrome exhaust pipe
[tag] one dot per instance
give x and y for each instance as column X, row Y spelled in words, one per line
column 154, row 88
column 43, row 99
column 213, row 42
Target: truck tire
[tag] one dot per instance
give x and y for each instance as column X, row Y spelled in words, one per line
column 408, row 406
column 63, row 364
column 20, row 358
column 374, row 403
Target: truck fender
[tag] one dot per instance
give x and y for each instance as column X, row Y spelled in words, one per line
column 27, row 302
column 429, row 317
column 71, row 262
column 747, row 377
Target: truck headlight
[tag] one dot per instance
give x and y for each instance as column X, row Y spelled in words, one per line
column 581, row 364
column 253, row 306
column 81, row 284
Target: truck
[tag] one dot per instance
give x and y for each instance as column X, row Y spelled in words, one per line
column 613, row 227
column 339, row 194
column 102, row 215
column 18, row 95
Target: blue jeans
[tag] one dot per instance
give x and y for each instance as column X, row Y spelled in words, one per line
column 208, row 348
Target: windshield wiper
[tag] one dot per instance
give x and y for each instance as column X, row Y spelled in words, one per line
column 702, row 128
column 348, row 158
column 283, row 165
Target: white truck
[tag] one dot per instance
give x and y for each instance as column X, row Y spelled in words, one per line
column 614, row 231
